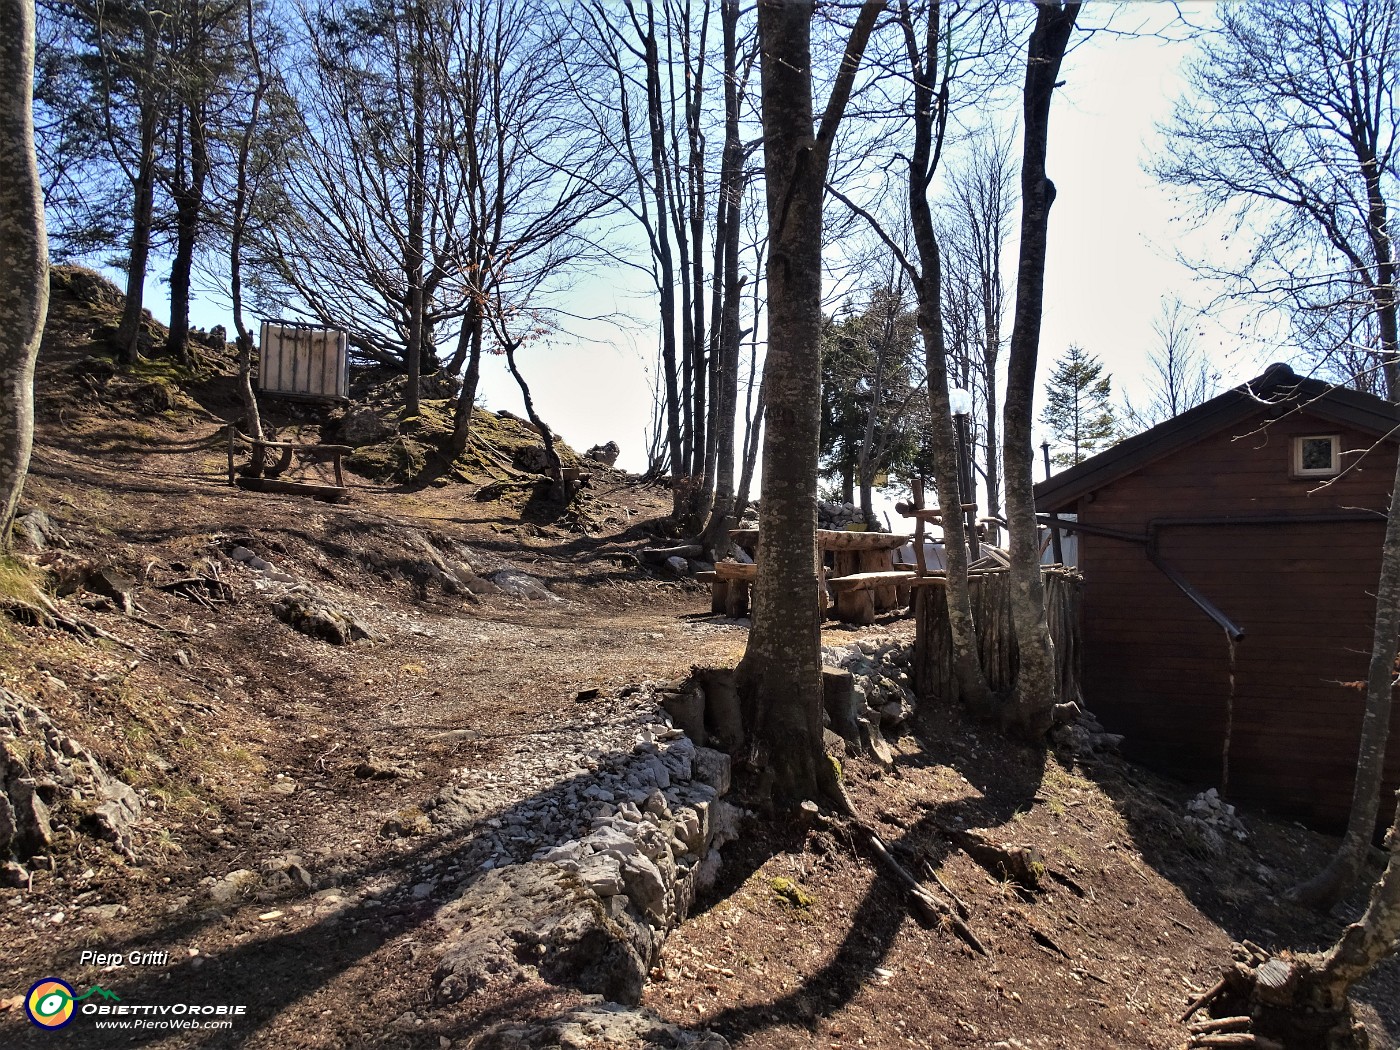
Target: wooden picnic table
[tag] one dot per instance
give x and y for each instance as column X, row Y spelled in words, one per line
column 852, row 552
column 866, row 555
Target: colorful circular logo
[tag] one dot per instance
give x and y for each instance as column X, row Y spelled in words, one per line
column 50, row 1003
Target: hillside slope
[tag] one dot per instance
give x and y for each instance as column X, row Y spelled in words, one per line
column 289, row 847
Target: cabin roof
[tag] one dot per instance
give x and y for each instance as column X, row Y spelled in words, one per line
column 1278, row 391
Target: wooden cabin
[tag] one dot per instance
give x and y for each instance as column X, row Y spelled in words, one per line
column 1230, row 559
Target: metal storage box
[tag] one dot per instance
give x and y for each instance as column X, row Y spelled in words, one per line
column 303, row 361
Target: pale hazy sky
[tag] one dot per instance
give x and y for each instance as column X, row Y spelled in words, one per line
column 1114, row 237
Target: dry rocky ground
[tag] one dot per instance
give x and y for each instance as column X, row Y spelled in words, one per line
column 354, row 841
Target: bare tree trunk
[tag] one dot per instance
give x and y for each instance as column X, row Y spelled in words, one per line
column 993, row 469
column 417, row 206
column 729, row 286
column 1303, row 1000
column 703, row 461
column 661, row 248
column 191, row 166
column 551, row 454
column 751, row 446
column 1376, row 935
column 241, row 207
column 1031, row 710
column 189, row 193
column 143, row 204
column 468, row 348
column 930, row 107
column 865, row 464
column 1334, row 881
column 780, row 674
column 24, row 255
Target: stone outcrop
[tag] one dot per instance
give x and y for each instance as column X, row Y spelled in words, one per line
column 519, row 584
column 362, row 425
column 881, row 690
column 308, row 612
column 833, row 515
column 605, row 454
column 43, row 770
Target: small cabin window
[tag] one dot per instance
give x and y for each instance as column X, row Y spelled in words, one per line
column 1316, row 456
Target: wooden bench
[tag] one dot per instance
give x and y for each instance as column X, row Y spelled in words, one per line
column 856, row 594
column 729, row 587
column 262, row 475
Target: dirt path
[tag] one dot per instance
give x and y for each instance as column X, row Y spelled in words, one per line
column 309, row 809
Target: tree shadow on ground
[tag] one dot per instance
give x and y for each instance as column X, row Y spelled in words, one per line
column 273, row 975
column 1241, row 886
column 1003, row 789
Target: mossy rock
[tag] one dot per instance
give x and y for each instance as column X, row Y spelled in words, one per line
column 791, row 894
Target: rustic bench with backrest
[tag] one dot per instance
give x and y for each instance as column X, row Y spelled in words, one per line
column 270, row 459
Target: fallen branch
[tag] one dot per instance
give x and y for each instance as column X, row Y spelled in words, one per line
column 685, row 550
column 1207, row 997
column 1046, row 941
column 957, row 901
column 1234, row 1039
column 44, row 613
column 933, row 908
column 191, row 586
column 1021, row 864
column 1222, row 1024
column 1074, row 887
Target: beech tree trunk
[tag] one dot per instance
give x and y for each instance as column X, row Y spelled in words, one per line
column 752, row 435
column 241, row 207
column 1376, row 935
column 143, row 190
column 24, row 255
column 780, row 674
column 190, row 175
column 729, row 286
column 1303, row 1001
column 930, row 110
column 188, row 204
column 551, row 454
column 468, row 349
column 1031, row 710
column 417, row 207
column 1335, row 880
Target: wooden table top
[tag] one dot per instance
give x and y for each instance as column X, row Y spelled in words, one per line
column 835, row 540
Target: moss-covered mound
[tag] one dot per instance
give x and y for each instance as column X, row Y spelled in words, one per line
column 392, row 449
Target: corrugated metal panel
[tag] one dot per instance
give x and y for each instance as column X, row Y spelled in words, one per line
column 303, row 361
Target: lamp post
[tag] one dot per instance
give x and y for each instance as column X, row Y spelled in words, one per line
column 960, row 404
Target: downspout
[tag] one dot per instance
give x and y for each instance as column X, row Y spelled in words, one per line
column 1149, row 544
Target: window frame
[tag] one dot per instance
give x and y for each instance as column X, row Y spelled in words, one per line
column 1296, row 458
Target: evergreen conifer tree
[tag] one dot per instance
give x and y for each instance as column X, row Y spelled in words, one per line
column 1078, row 409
